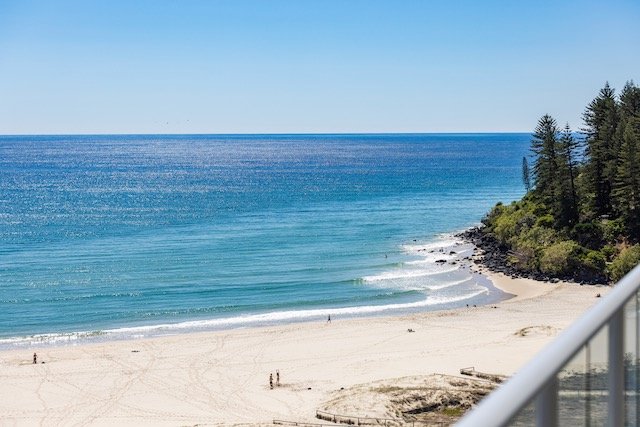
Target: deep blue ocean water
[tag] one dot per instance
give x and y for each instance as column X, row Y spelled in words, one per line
column 139, row 235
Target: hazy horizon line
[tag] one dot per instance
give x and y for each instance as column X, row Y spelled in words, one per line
column 269, row 133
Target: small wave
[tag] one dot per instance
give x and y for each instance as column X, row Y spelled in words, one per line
column 72, row 297
column 53, row 338
column 450, row 284
column 448, row 300
column 427, row 285
column 395, row 275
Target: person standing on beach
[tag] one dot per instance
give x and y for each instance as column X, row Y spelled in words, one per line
column 329, row 319
column 35, row 358
column 277, row 377
column 271, row 381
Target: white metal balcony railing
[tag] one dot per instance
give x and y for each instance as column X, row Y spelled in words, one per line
column 588, row 376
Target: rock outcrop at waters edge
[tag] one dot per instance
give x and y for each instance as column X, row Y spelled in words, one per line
column 495, row 258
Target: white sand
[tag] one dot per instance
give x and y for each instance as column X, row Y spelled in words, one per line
column 221, row 378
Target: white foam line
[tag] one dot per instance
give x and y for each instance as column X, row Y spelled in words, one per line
column 420, row 286
column 430, row 259
column 417, row 247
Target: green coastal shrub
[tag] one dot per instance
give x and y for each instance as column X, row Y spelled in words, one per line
column 588, row 234
column 541, row 237
column 609, row 251
column 491, row 217
column 561, row 258
column 524, row 255
column 527, row 230
column 510, row 223
column 612, row 230
column 624, row 262
column 525, row 222
column 594, row 264
column 545, row 221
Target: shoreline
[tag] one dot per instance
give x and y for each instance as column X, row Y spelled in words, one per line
column 221, row 377
column 439, row 251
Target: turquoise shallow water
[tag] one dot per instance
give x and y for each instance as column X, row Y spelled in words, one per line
column 117, row 235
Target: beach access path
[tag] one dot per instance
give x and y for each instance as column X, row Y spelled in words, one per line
column 222, row 378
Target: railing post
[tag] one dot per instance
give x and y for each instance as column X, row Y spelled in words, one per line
column 547, row 405
column 587, row 396
column 636, row 361
column 615, row 405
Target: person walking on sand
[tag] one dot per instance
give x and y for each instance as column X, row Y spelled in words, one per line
column 278, row 377
column 35, row 358
column 271, row 381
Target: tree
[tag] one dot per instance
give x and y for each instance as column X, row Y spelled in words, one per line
column 627, row 185
column 601, row 119
column 629, row 104
column 566, row 189
column 582, row 202
column 526, row 178
column 543, row 146
column 626, row 191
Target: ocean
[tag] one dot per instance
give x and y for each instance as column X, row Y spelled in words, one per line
column 120, row 236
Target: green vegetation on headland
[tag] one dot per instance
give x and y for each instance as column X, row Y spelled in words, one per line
column 580, row 218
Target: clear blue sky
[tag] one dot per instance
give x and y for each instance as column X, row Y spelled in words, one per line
column 254, row 66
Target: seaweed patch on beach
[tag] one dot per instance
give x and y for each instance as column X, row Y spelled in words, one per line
column 537, row 330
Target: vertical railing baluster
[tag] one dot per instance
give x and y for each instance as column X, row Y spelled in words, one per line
column 615, row 408
column 587, row 399
column 547, row 405
column 636, row 359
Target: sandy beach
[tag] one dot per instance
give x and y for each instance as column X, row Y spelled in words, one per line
column 222, row 378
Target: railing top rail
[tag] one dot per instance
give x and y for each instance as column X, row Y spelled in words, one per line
column 505, row 402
